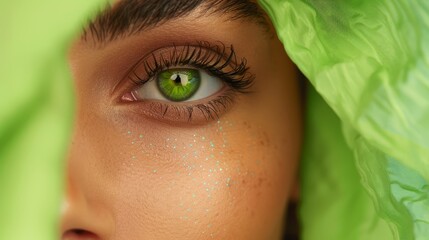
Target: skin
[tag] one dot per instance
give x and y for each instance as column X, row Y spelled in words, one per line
column 134, row 176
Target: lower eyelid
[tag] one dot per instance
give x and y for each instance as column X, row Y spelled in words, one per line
column 197, row 112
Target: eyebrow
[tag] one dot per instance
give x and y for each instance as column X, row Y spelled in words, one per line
column 130, row 17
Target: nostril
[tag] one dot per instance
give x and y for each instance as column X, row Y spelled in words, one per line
column 79, row 234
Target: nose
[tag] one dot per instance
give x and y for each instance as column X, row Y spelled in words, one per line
column 83, row 218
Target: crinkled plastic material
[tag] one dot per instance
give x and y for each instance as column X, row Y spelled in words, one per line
column 35, row 112
column 369, row 60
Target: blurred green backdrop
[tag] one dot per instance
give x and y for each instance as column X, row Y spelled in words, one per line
column 35, row 111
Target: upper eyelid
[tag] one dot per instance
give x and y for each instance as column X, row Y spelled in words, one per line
column 236, row 75
column 219, row 48
column 214, row 55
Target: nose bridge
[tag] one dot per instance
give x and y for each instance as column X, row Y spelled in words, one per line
column 84, row 207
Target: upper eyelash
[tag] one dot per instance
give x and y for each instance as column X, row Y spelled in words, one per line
column 212, row 58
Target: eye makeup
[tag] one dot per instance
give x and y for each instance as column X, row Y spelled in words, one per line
column 216, row 62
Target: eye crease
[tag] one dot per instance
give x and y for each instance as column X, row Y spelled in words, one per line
column 202, row 76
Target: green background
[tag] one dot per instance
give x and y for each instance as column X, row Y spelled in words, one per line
column 36, row 104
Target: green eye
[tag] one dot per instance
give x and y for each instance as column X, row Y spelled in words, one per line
column 179, row 84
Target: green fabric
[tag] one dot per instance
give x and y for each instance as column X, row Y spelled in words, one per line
column 35, row 112
column 369, row 60
column 334, row 203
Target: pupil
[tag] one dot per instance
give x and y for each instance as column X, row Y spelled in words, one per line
column 178, row 79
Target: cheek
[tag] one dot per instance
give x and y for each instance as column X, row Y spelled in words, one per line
column 227, row 180
column 214, row 181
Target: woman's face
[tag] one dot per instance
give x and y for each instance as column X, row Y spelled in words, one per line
column 187, row 124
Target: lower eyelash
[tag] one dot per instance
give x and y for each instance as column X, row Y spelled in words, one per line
column 206, row 111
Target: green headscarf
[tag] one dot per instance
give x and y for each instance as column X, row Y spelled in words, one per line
column 369, row 60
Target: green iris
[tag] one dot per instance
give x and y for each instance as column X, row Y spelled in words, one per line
column 179, row 84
